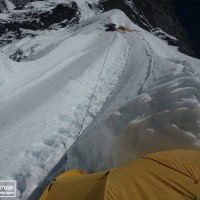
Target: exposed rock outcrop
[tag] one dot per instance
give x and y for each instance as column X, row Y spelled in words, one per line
column 24, row 20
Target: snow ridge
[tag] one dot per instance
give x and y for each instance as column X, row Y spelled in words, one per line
column 76, row 79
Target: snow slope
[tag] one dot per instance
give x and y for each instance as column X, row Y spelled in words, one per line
column 78, row 76
column 44, row 102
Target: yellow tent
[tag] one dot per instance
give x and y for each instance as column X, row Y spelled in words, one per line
column 123, row 28
column 167, row 175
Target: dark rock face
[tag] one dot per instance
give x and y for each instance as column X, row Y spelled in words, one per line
column 34, row 19
column 164, row 36
column 29, row 18
column 150, row 14
column 189, row 15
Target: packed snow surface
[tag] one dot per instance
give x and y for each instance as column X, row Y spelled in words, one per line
column 75, row 75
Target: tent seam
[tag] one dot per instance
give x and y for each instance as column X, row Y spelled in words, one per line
column 171, row 168
column 105, row 191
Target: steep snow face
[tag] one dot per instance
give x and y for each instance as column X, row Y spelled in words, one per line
column 80, row 76
column 85, row 10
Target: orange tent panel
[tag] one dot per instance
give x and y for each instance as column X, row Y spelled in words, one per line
column 165, row 175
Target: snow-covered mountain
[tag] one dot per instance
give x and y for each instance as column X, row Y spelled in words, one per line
column 81, row 97
column 32, row 15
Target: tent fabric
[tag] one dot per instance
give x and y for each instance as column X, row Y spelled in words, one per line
column 165, row 175
column 70, row 173
column 187, row 163
column 123, row 28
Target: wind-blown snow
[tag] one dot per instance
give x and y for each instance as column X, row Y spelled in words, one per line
column 76, row 75
column 161, row 109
